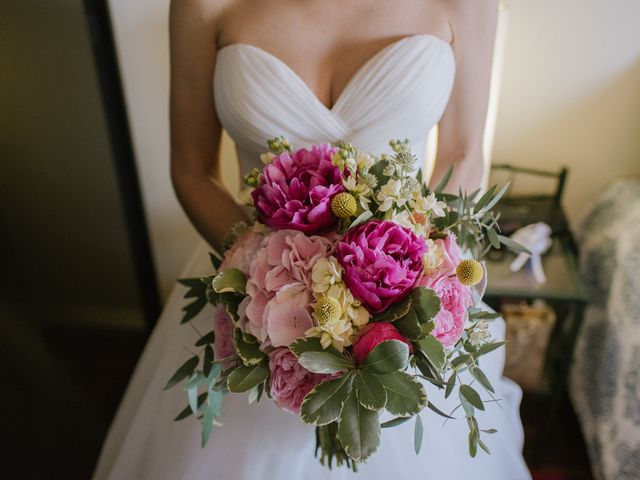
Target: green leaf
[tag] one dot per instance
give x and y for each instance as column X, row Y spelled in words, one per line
column 466, row 406
column 484, row 315
column 249, row 351
column 433, row 350
column 405, row 395
column 388, row 356
column 324, row 362
column 323, row 404
column 185, row 370
column 394, row 312
column 230, row 281
column 395, row 422
column 206, row 339
column 493, row 237
column 498, row 196
column 489, row 347
column 192, row 309
column 371, row 393
column 482, row 378
column 489, row 431
column 473, row 443
column 484, row 199
column 426, row 303
column 303, row 345
column 513, row 245
column 187, row 412
column 460, row 359
column 471, row 396
column 418, row 433
column 244, row 378
column 435, row 409
column 450, row 384
column 409, row 325
column 445, row 180
column 358, row 429
column 207, row 363
column 216, row 260
column 483, row 446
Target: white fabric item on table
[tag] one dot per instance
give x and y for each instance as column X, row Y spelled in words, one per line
column 401, row 92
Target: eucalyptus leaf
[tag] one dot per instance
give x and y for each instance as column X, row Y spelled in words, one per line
column 206, row 339
column 185, row 370
column 371, row 393
column 323, row 404
column 466, row 406
column 498, row 196
column 445, row 180
column 513, row 245
column 405, row 395
column 483, row 446
column 207, row 362
column 395, row 422
column 187, row 411
column 358, row 429
column 489, row 430
column 489, row 347
column 216, row 260
column 473, row 443
column 244, row 378
column 450, row 384
column 230, row 281
column 193, row 308
column 435, row 409
column 484, row 199
column 469, row 394
column 324, row 362
column 387, row 357
column 482, row 378
column 484, row 315
column 493, row 237
column 418, row 433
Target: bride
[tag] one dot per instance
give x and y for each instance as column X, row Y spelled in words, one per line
column 363, row 71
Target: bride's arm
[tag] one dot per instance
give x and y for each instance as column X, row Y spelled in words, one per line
column 461, row 128
column 195, row 128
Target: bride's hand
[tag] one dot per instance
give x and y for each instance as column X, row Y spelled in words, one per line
column 195, row 128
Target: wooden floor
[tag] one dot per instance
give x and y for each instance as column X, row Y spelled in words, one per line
column 64, row 387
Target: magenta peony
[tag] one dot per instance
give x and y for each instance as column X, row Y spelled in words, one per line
column 382, row 262
column 290, row 381
column 374, row 334
column 455, row 300
column 278, row 306
column 295, row 190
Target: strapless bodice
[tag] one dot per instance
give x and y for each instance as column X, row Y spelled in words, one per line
column 400, row 92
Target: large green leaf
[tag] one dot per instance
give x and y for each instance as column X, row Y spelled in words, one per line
column 433, row 350
column 426, row 303
column 394, row 312
column 230, row 281
column 244, row 378
column 185, row 370
column 324, row 362
column 409, row 325
column 405, row 395
column 358, row 429
column 249, row 351
column 388, row 356
column 471, row 396
column 394, row 422
column 371, row 393
column 323, row 404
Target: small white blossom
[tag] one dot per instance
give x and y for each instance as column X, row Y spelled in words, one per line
column 244, row 196
column 434, row 257
column 267, row 158
column 429, row 204
column 480, row 334
column 391, row 194
column 338, row 334
column 326, row 273
column 364, row 161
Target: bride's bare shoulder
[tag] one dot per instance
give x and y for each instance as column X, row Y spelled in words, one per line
column 203, row 14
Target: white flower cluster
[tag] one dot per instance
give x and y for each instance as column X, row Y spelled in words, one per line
column 327, row 281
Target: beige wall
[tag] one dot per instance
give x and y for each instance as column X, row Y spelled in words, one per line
column 570, row 95
column 571, row 92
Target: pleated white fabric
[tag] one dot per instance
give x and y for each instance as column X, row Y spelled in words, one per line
column 401, row 92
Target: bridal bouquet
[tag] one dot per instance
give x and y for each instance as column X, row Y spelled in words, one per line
column 348, row 290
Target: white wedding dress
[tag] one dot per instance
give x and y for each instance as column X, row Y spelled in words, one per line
column 401, row 92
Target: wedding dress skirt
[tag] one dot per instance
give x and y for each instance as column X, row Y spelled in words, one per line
column 401, row 92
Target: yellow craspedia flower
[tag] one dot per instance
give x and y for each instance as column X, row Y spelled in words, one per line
column 469, row 272
column 327, row 310
column 344, row 205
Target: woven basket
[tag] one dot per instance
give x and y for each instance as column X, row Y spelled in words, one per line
column 529, row 329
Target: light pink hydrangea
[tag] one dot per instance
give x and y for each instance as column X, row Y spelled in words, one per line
column 290, row 381
column 278, row 307
column 455, row 300
column 243, row 250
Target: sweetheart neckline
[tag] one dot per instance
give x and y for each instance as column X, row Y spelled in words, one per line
column 357, row 73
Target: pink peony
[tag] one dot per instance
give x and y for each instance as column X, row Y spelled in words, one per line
column 382, row 262
column 240, row 254
column 374, row 334
column 278, row 306
column 290, row 382
column 455, row 300
column 295, row 190
column 223, row 328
